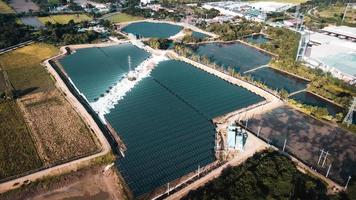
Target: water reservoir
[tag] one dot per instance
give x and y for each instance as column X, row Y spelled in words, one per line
column 313, row 100
column 199, row 35
column 95, row 70
column 257, row 39
column 239, row 56
column 277, row 80
column 152, row 29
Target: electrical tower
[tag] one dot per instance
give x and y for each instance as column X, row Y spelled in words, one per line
column 351, row 5
column 349, row 116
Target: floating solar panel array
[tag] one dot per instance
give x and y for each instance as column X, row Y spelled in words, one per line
column 94, row 70
column 165, row 137
column 206, row 92
column 165, row 122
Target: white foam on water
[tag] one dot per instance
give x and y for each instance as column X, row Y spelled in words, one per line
column 104, row 104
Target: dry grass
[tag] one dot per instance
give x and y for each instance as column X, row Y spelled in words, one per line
column 17, row 150
column 4, row 8
column 59, row 132
column 336, row 11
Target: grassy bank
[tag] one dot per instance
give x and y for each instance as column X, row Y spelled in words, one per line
column 123, row 17
column 24, row 70
column 17, row 150
column 64, row 19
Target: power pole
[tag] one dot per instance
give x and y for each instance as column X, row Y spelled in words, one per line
column 326, row 155
column 327, row 173
column 347, row 183
column 284, row 145
column 349, row 116
column 343, row 17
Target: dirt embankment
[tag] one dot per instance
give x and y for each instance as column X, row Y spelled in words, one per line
column 90, row 183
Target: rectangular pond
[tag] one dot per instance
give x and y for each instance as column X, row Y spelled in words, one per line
column 277, row 80
column 236, row 55
column 152, row 29
column 257, row 39
column 313, row 100
column 94, row 70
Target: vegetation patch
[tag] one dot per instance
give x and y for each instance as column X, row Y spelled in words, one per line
column 24, row 70
column 123, row 17
column 4, row 8
column 64, row 19
column 17, row 151
column 267, row 175
column 59, row 132
column 336, row 13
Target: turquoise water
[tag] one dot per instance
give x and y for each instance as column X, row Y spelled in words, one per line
column 199, row 35
column 239, row 56
column 313, row 100
column 165, row 122
column 277, row 80
column 345, row 62
column 94, row 70
column 152, row 30
column 257, row 39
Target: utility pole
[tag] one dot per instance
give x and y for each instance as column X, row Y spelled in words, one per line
column 322, row 152
column 327, row 173
column 326, row 155
column 349, row 116
column 343, row 17
column 284, row 145
column 347, row 183
column 129, row 61
column 259, row 130
column 198, row 170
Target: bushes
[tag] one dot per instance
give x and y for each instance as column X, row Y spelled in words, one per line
column 11, row 32
column 267, row 175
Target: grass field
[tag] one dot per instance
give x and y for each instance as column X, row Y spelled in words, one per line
column 336, row 12
column 40, row 127
column 17, row 150
column 59, row 132
column 4, row 8
column 64, row 19
column 24, row 69
column 123, row 17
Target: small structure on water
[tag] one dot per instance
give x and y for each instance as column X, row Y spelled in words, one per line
column 236, row 137
column 130, row 75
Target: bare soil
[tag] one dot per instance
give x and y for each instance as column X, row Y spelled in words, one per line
column 86, row 184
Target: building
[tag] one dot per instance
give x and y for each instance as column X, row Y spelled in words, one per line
column 236, row 137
